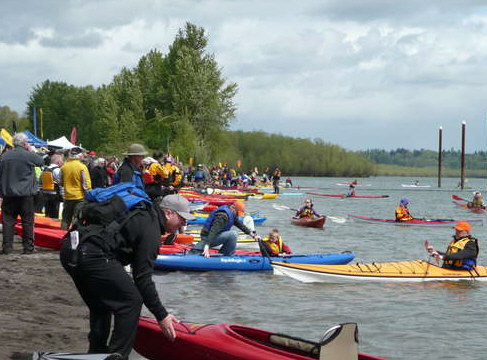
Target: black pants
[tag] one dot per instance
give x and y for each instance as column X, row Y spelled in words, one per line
column 11, row 208
column 108, row 291
column 51, row 205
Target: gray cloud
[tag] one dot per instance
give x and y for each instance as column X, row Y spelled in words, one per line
column 358, row 73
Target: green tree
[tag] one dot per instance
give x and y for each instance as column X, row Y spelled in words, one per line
column 8, row 117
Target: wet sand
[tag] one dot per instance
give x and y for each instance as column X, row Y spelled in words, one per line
column 40, row 308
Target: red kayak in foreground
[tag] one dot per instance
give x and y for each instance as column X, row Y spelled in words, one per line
column 315, row 222
column 237, row 342
column 343, row 196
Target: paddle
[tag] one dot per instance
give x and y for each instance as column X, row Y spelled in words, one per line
column 337, row 219
column 455, row 197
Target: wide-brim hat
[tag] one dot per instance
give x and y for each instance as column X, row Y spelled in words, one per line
column 135, row 149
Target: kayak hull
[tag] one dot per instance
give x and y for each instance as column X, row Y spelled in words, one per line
column 215, row 342
column 401, row 271
column 243, row 262
column 345, row 196
column 414, row 222
column 471, row 209
column 317, row 222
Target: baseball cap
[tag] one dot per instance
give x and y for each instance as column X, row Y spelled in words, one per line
column 463, row 226
column 177, row 203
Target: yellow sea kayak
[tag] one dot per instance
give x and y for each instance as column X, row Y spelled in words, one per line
column 401, row 271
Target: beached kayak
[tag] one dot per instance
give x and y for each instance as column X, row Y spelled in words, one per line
column 401, row 271
column 233, row 342
column 49, row 238
column 314, row 222
column 345, row 196
column 413, row 222
column 244, row 262
column 183, row 248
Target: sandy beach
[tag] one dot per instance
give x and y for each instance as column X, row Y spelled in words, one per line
column 40, row 308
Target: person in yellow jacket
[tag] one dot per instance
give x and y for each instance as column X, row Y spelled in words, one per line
column 402, row 211
column 275, row 245
column 76, row 181
column 462, row 251
column 172, row 174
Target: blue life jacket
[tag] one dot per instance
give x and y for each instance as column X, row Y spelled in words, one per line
column 136, row 179
column 228, row 211
column 199, row 174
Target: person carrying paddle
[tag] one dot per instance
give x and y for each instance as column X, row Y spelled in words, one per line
column 462, row 251
column 274, row 244
column 402, row 211
column 307, row 210
column 217, row 229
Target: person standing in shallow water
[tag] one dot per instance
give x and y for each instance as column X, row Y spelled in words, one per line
column 17, row 188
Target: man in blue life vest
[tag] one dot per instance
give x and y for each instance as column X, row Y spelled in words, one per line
column 131, row 168
column 462, row 251
column 217, row 229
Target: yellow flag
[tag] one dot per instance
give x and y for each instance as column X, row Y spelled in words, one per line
column 6, row 137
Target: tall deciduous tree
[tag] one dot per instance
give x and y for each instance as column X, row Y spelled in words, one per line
column 196, row 91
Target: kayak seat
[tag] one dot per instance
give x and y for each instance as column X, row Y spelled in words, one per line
column 306, row 347
column 340, row 343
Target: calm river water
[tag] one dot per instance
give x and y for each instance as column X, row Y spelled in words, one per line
column 396, row 320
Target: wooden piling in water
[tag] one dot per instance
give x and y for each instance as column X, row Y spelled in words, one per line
column 440, row 153
column 462, row 174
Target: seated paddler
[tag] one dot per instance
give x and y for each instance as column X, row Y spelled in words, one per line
column 307, row 210
column 402, row 211
column 274, row 244
column 462, row 251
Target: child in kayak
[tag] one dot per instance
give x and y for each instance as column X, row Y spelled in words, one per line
column 462, row 251
column 275, row 245
column 307, row 210
column 402, row 211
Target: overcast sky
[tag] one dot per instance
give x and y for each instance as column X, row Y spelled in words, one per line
column 360, row 74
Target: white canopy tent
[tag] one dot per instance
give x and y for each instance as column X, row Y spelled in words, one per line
column 62, row 142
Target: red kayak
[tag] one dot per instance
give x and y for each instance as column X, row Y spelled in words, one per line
column 314, row 222
column 236, row 342
column 475, row 210
column 45, row 237
column 343, row 196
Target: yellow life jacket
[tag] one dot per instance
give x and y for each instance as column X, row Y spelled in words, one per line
column 47, row 179
column 456, row 246
column 275, row 248
column 307, row 212
column 402, row 214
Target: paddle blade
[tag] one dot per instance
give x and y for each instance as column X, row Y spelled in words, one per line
column 455, row 197
column 337, row 219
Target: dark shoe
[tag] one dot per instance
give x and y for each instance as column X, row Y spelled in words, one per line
column 28, row 251
column 7, row 251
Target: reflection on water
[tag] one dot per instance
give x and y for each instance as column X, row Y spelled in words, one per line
column 396, row 320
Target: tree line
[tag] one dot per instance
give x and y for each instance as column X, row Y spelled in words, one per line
column 451, row 159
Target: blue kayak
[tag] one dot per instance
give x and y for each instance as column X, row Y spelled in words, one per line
column 244, row 262
column 258, row 220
